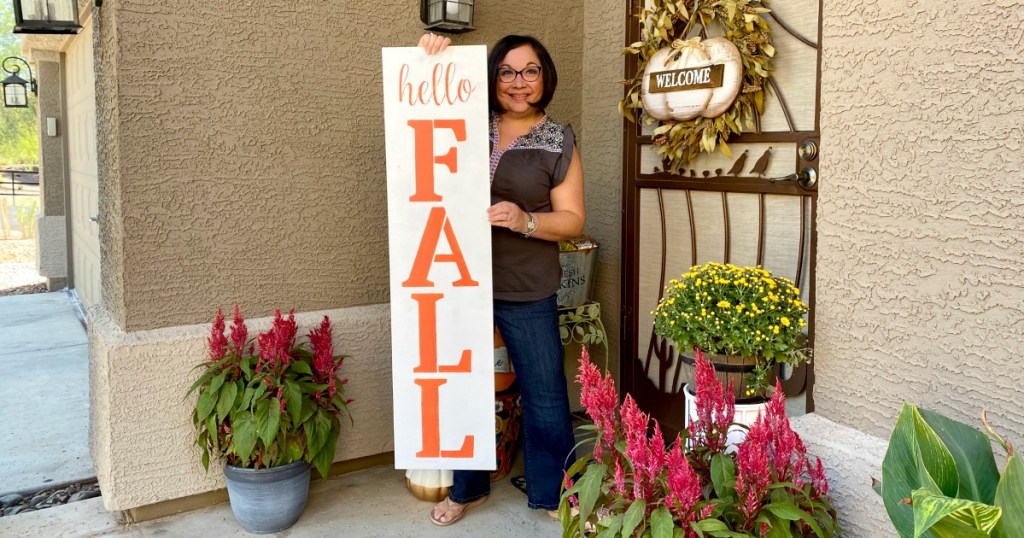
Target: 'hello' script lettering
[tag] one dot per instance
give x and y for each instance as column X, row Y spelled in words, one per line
column 444, row 86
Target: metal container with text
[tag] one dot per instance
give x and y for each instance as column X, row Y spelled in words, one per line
column 578, row 258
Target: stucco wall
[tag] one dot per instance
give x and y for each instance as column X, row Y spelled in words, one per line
column 141, row 435
column 242, row 148
column 52, row 247
column 241, row 160
column 51, row 149
column 601, row 146
column 921, row 211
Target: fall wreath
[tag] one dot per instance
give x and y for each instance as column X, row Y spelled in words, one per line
column 680, row 25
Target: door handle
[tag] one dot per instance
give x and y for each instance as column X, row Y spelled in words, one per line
column 807, row 177
column 95, row 218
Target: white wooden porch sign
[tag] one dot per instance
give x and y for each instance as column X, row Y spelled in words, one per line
column 436, row 138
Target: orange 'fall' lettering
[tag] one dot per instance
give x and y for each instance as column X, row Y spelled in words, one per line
column 431, row 416
column 437, row 222
column 423, row 131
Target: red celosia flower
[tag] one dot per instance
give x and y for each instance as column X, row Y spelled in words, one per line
column 598, row 397
column 716, row 408
column 818, row 481
column 620, row 482
column 239, row 332
column 634, row 425
column 683, row 485
column 320, row 339
column 568, row 483
column 217, row 342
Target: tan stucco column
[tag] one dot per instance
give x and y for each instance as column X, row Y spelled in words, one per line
column 52, row 243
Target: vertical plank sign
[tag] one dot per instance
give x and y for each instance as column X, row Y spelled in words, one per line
column 436, row 138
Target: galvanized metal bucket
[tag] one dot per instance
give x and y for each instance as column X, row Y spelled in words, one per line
column 578, row 267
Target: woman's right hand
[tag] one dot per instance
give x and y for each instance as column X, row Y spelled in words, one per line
column 433, row 43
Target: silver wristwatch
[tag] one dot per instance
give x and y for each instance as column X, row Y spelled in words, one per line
column 531, row 225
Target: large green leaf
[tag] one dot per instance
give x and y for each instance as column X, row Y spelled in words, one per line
column 723, row 475
column 317, row 430
column 301, row 367
column 972, row 453
column 610, row 526
column 634, row 514
column 268, row 418
column 324, row 457
column 661, row 523
column 589, row 488
column 789, row 511
column 244, row 434
column 1010, row 497
column 218, row 381
column 226, row 401
column 904, row 468
column 207, row 401
column 293, row 401
column 966, row 516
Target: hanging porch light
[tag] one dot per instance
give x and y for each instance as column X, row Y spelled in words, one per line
column 46, row 17
column 449, row 16
column 16, row 88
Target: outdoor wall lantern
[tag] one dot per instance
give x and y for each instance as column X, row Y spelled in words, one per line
column 46, row 17
column 450, row 16
column 15, row 87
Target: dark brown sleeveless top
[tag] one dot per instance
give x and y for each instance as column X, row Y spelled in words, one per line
column 527, row 269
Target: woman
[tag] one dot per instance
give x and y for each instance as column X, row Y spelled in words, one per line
column 537, row 200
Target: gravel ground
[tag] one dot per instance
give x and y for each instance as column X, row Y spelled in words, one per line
column 17, row 503
column 18, row 274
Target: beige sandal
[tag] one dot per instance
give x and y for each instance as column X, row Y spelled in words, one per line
column 448, row 505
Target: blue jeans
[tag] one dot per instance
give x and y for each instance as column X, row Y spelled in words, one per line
column 530, row 331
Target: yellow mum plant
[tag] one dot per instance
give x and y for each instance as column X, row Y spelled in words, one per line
column 730, row 310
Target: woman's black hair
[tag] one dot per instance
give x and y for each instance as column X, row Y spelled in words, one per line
column 547, row 65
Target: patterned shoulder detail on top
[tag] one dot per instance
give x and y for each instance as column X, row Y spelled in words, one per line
column 546, row 135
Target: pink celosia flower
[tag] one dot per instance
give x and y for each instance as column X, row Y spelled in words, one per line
column 284, row 333
column 716, row 408
column 818, row 481
column 634, row 425
column 324, row 367
column 620, row 482
column 568, row 483
column 598, row 397
column 683, row 484
column 239, row 332
column 217, row 343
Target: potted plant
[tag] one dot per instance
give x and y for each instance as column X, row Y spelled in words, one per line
column 939, row 478
column 269, row 407
column 636, row 486
column 746, row 319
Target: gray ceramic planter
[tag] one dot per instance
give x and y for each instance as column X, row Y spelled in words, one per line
column 268, row 500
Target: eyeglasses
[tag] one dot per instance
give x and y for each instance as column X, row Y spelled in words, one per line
column 530, row 74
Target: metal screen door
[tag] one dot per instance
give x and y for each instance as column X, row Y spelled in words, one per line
column 747, row 210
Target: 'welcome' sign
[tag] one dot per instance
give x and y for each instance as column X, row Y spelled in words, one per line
column 436, row 138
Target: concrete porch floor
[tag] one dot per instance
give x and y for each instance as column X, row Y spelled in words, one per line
column 366, row 504
column 44, row 443
column 44, row 393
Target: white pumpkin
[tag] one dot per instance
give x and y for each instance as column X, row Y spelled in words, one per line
column 428, row 484
column 689, row 104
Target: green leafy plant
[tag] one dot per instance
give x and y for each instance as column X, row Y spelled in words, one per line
column 269, row 401
column 743, row 311
column 939, row 479
column 636, row 486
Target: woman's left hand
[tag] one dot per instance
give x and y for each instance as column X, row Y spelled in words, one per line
column 507, row 215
